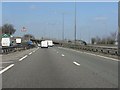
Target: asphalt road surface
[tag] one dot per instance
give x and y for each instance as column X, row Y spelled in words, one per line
column 61, row 68
column 12, row 58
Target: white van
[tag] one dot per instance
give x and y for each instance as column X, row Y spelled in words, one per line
column 50, row 43
column 44, row 44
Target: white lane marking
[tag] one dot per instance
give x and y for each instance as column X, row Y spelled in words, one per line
column 5, row 69
column 76, row 63
column 23, row 58
column 89, row 53
column 102, row 56
column 33, row 51
column 37, row 49
column 108, row 58
column 30, row 53
column 93, row 54
column 63, row 55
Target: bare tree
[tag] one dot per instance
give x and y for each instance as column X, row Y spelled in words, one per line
column 98, row 40
column 0, row 33
column 106, row 40
column 113, row 36
column 8, row 29
column 93, row 40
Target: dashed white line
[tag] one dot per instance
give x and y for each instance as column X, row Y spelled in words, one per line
column 23, row 58
column 34, row 51
column 10, row 66
column 30, row 53
column 76, row 63
column 63, row 55
column 5, row 69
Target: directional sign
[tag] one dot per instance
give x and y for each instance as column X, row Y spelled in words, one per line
column 23, row 29
column 5, row 35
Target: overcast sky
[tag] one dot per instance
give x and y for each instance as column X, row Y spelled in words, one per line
column 44, row 19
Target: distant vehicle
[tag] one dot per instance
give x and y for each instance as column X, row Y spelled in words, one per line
column 81, row 42
column 30, row 43
column 50, row 43
column 6, row 42
column 44, row 44
column 18, row 40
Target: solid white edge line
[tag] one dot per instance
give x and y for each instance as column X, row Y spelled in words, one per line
column 5, row 69
column 93, row 54
column 76, row 63
column 23, row 58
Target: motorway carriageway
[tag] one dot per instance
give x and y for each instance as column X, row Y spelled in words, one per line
column 59, row 67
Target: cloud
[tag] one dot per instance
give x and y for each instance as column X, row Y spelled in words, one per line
column 100, row 18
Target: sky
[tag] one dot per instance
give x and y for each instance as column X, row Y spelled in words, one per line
column 45, row 19
column 0, row 14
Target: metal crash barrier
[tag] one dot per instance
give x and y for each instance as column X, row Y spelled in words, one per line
column 105, row 50
column 6, row 50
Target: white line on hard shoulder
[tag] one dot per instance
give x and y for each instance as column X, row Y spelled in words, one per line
column 92, row 54
column 63, row 55
column 5, row 69
column 102, row 56
column 76, row 63
column 23, row 58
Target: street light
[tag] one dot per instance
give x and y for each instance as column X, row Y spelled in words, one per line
column 63, row 28
column 118, row 40
column 63, row 24
column 75, row 25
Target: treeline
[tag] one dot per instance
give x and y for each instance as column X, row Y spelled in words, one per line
column 7, row 29
column 111, row 39
column 10, row 30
